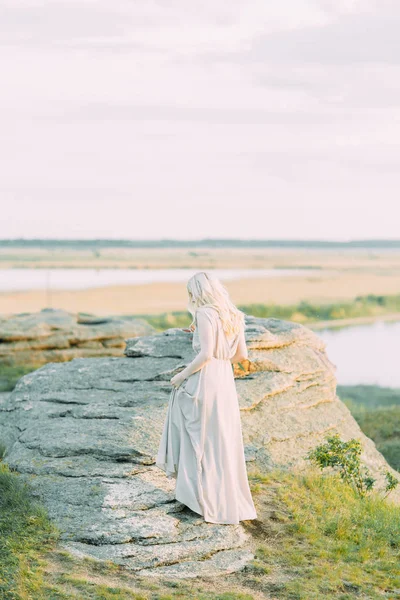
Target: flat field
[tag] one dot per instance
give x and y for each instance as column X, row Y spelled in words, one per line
column 330, row 275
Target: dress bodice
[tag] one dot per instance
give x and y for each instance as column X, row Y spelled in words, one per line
column 224, row 346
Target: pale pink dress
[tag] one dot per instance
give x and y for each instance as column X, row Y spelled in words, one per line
column 202, row 443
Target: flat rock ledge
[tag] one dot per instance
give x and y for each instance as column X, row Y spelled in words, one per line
column 85, row 434
column 53, row 335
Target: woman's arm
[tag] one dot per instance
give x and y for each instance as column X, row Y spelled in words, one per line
column 241, row 350
column 206, row 339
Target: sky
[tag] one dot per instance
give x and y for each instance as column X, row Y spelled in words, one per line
column 147, row 119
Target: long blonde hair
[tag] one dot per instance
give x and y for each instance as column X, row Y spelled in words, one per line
column 206, row 290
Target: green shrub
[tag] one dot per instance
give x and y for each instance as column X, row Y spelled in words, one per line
column 345, row 458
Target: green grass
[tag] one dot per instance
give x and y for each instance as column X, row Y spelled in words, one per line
column 164, row 321
column 85, row 590
column 9, row 375
column 25, row 533
column 377, row 411
column 303, row 312
column 329, row 543
column 28, row 545
column 315, row 539
column 381, row 423
column 360, row 397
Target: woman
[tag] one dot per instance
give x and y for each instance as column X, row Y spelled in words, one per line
column 202, row 445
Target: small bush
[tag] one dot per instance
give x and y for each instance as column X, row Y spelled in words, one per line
column 345, row 458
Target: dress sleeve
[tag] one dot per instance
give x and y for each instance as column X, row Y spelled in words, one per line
column 241, row 352
column 242, row 347
column 206, row 333
column 206, row 337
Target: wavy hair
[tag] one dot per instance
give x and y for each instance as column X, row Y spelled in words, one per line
column 206, row 290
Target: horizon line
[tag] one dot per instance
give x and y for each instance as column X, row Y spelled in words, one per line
column 194, row 241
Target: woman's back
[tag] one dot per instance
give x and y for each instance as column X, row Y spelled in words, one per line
column 224, row 346
column 202, row 442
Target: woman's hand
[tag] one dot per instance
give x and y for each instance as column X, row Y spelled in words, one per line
column 177, row 380
column 190, row 329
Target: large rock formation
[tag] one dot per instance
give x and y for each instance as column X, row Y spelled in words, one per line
column 85, row 433
column 34, row 339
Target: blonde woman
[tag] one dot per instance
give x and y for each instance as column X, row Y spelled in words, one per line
column 202, row 445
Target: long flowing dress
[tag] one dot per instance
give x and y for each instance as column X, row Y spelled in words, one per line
column 202, row 444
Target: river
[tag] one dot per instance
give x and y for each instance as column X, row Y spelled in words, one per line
column 13, row 280
column 365, row 354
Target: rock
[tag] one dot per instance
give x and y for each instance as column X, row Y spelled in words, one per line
column 3, row 397
column 85, row 435
column 57, row 336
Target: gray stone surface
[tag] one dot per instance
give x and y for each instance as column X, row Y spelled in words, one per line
column 56, row 336
column 85, row 434
column 3, row 397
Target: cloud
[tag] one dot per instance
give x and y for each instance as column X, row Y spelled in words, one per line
column 196, row 114
column 176, row 25
column 369, row 37
column 42, row 23
column 162, row 106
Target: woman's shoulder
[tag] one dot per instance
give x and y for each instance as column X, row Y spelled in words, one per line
column 208, row 311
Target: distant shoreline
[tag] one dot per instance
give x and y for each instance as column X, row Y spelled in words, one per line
column 338, row 323
column 327, row 277
column 206, row 243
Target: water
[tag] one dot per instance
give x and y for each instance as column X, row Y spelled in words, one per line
column 77, row 279
column 365, row 354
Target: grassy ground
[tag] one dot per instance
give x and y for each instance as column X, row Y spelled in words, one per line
column 25, row 535
column 314, row 538
column 303, row 312
column 9, row 375
column 328, row 542
column 377, row 411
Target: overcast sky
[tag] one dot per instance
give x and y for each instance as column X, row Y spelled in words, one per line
column 189, row 119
